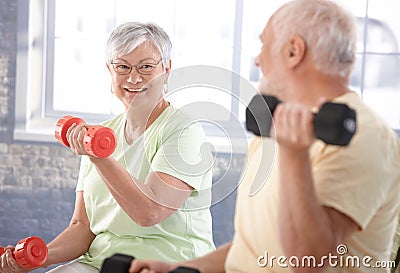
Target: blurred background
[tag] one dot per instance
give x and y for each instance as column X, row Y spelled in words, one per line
column 52, row 63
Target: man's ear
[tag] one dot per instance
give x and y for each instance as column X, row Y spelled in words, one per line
column 296, row 51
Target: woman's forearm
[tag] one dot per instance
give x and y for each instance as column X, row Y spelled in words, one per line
column 129, row 192
column 74, row 241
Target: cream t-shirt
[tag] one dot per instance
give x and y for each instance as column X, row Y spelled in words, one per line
column 361, row 180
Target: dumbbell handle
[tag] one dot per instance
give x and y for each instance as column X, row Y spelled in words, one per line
column 183, row 269
column 335, row 123
column 30, row 252
column 99, row 141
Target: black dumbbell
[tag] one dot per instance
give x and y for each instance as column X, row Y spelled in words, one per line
column 183, row 269
column 117, row 263
column 120, row 263
column 335, row 123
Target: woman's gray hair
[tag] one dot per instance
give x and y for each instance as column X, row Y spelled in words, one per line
column 128, row 36
column 328, row 30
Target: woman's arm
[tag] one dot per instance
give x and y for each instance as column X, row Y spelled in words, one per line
column 159, row 196
column 75, row 239
column 68, row 245
column 145, row 202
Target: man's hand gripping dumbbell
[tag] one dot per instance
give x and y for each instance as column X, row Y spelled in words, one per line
column 98, row 141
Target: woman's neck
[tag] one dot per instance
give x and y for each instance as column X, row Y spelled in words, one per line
column 137, row 123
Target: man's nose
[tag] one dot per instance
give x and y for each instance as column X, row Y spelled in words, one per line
column 257, row 60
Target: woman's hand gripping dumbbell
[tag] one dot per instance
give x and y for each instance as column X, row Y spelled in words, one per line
column 99, row 141
column 29, row 253
column 335, row 123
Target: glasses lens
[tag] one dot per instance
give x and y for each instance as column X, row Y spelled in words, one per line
column 143, row 68
column 146, row 68
column 122, row 68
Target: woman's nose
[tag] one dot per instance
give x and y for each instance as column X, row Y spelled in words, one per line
column 134, row 77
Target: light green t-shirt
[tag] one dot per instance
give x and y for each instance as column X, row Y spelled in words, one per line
column 175, row 145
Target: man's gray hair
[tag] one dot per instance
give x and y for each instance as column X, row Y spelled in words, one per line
column 328, row 30
column 128, row 36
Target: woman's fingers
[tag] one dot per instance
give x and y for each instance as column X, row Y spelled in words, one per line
column 75, row 137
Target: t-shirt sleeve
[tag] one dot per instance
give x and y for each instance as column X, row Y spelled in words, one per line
column 186, row 155
column 350, row 181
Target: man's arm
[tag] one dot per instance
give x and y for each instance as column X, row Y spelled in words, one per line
column 307, row 228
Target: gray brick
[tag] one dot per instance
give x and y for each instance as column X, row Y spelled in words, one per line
column 3, row 149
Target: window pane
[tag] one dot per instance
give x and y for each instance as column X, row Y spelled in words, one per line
column 384, row 31
column 85, row 19
column 255, row 17
column 382, row 87
column 150, row 11
column 200, row 35
column 81, row 80
column 356, row 75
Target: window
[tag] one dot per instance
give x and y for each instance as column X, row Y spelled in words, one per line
column 61, row 66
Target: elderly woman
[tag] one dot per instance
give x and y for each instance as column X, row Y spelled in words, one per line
column 143, row 200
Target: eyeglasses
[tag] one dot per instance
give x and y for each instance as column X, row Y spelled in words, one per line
column 141, row 68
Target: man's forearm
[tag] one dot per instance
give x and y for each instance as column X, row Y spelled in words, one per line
column 304, row 224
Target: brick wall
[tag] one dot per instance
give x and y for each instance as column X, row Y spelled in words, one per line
column 36, row 180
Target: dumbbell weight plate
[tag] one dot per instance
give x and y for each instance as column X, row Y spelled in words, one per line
column 31, row 252
column 335, row 123
column 100, row 141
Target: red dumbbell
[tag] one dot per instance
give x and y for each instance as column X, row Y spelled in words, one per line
column 30, row 252
column 99, row 141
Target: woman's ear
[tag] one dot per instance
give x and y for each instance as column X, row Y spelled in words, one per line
column 168, row 67
column 296, row 51
column 108, row 67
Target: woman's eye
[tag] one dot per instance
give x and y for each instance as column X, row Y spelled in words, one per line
column 123, row 67
column 146, row 67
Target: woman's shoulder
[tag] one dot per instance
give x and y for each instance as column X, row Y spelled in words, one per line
column 115, row 121
column 176, row 118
